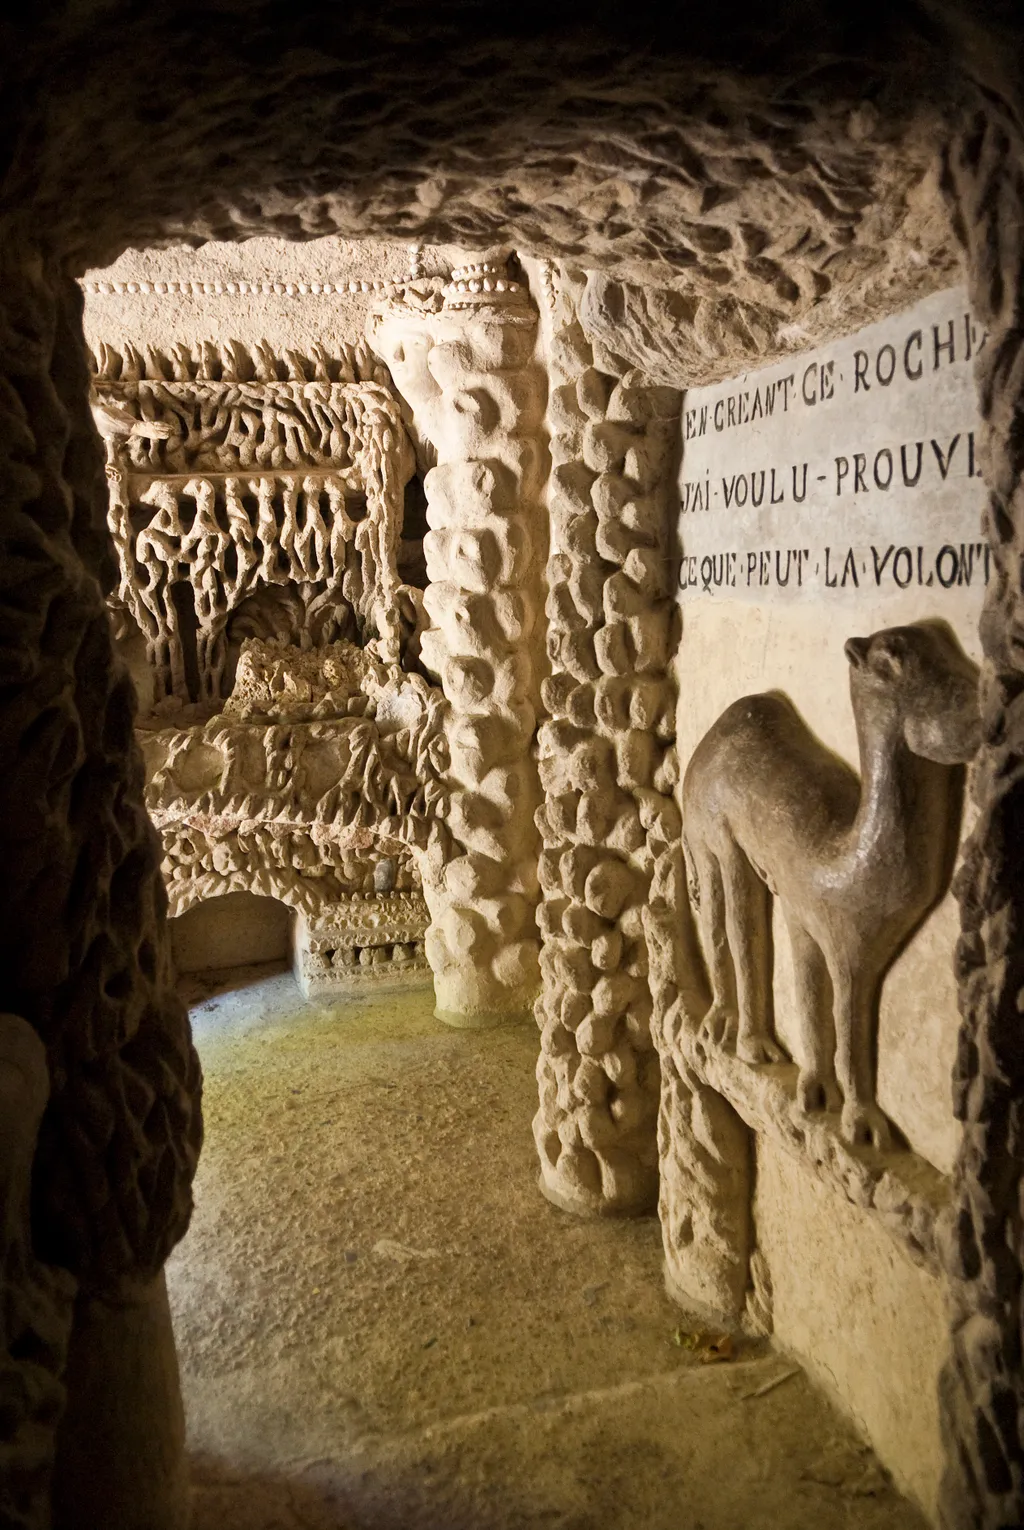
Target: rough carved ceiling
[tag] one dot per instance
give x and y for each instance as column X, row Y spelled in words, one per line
column 775, row 176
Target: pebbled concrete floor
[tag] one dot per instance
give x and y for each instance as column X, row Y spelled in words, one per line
column 382, row 1325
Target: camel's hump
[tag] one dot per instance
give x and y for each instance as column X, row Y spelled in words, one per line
column 764, row 710
column 767, row 730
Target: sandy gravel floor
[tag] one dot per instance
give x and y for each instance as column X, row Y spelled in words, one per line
column 382, row 1324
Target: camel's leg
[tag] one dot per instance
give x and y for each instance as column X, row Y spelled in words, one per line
column 748, row 926
column 719, row 1024
column 863, row 1121
column 816, row 1088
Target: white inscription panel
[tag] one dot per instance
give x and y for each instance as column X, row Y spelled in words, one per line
column 847, row 470
column 832, row 495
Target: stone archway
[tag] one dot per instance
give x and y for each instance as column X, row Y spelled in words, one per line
column 730, row 177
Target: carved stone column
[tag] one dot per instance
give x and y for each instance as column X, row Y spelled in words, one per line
column 83, row 949
column 608, row 767
column 468, row 372
column 983, row 1384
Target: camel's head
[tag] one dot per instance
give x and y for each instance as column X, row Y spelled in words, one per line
column 922, row 673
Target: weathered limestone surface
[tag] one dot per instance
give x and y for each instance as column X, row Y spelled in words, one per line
column 908, row 1196
column 467, row 370
column 35, row 1300
column 298, row 793
column 230, row 472
column 84, row 950
column 878, row 1342
column 705, row 1150
column 607, row 768
column 257, row 505
column 617, row 141
column 765, row 169
column 983, row 1384
column 361, row 944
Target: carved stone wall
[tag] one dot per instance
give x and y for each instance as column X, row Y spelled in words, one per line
column 36, row 1304
column 85, row 957
column 773, row 172
column 607, row 768
column 467, row 370
column 592, row 143
column 257, row 505
column 238, row 473
column 300, row 800
column 983, row 1385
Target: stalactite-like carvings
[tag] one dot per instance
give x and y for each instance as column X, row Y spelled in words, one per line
column 983, row 1384
column 300, row 800
column 83, row 951
column 227, row 477
column 608, row 768
column 468, row 371
column 256, row 506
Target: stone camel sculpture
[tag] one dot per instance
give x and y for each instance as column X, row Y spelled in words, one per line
column 855, row 862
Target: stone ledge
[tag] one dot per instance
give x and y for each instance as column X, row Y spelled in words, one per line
column 908, row 1195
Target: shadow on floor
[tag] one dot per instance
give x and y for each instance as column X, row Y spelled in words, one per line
column 423, row 1496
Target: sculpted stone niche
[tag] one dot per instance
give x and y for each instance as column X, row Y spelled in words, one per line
column 292, row 748
column 768, row 810
column 328, row 596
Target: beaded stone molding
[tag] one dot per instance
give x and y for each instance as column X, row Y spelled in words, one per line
column 263, row 286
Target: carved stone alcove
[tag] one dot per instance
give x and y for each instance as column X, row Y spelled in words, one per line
column 737, row 185
column 256, row 505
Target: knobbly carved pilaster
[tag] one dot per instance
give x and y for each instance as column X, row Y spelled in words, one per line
column 608, row 767
column 983, row 1384
column 83, row 949
column 467, row 369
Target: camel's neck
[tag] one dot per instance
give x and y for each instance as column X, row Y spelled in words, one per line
column 898, row 799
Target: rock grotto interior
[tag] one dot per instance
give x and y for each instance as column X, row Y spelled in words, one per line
column 512, row 597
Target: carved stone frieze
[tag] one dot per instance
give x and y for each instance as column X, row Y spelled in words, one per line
column 256, row 503
column 362, row 941
column 231, row 472
column 300, row 788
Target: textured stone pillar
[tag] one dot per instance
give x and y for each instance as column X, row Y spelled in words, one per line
column 983, row 1384
column 468, row 372
column 705, row 1152
column 608, row 767
column 83, row 949
column 121, row 1447
column 35, row 1300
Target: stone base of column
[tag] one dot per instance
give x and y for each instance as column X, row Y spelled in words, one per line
column 482, row 1019
column 593, row 1180
column 706, row 1195
column 120, row 1462
column 642, row 1202
column 471, row 999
